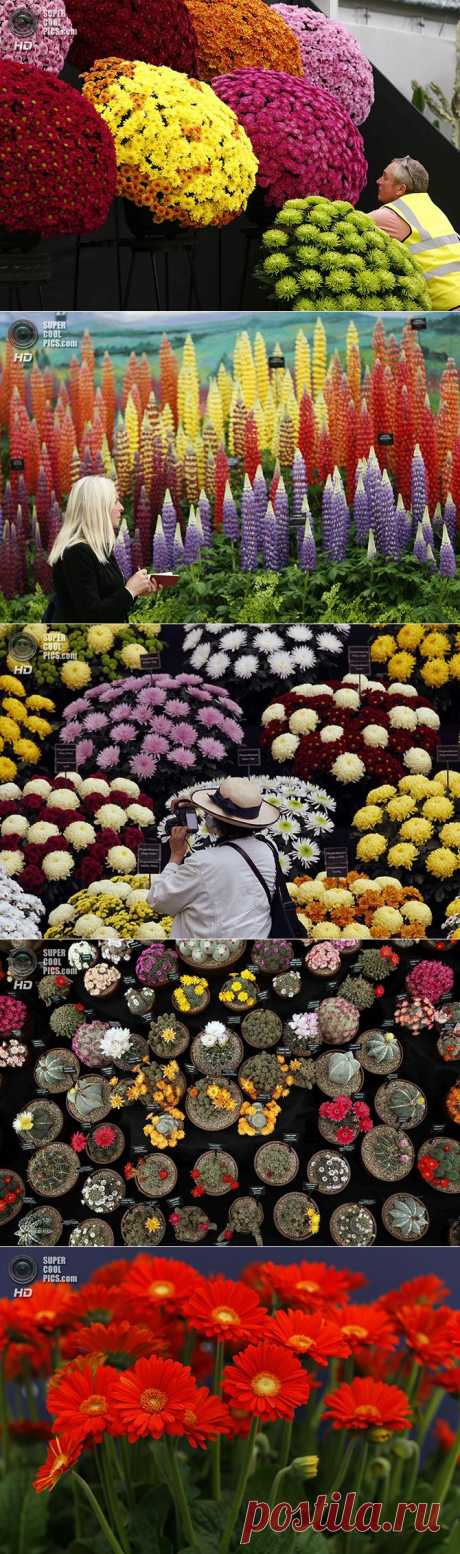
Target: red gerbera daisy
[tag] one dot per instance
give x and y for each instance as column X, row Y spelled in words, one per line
column 368, row 1327
column 314, row 1284
column 310, row 1334
column 427, row 1332
column 222, row 1308
column 266, row 1381
column 426, row 1290
column 208, row 1418
column 153, row 1398
column 155, row 1282
column 49, row 1309
column 261, row 1278
column 32, row 1358
column 80, row 1397
column 62, row 1454
column 365, row 1404
column 115, row 1343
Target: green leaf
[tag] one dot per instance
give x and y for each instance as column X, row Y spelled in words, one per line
column 147, row 1521
column 209, row 1519
column 23, row 1516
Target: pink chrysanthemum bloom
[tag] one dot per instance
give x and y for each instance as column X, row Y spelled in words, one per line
column 123, row 731
column 95, row 721
column 212, row 748
column 143, row 765
column 108, row 757
column 304, row 139
column 185, row 733
column 332, row 58
column 72, row 730
column 181, row 757
column 84, row 750
column 177, row 708
column 209, row 717
column 155, row 744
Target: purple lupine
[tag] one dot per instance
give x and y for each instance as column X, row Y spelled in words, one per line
column 271, row 540
column 403, row 526
column 192, row 542
column 430, row 558
column 371, row 546
column 281, row 508
column 306, row 516
column 260, row 503
column 204, row 509
column 299, row 482
column 419, row 485
column 447, row 562
column 128, row 549
column 419, row 550
column 389, row 523
column 427, row 528
column 178, row 549
column 373, row 485
column 160, row 553
column 248, row 528
column 450, row 518
column 168, row 520
column 230, row 516
column 307, row 553
column 360, row 512
column 326, row 516
column 339, row 515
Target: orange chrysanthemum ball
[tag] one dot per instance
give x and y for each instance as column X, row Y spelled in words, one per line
column 235, row 33
column 159, row 31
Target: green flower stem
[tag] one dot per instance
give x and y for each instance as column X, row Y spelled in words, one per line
column 126, row 1469
column 349, row 1368
column 357, row 1486
column 446, row 1472
column 76, row 1507
column 428, row 1415
column 413, row 1466
column 286, row 1439
column 113, row 1505
column 84, row 1488
column 181, row 1498
column 412, row 1384
column 240, row 1489
column 4, row 1419
column 215, row 1452
column 337, row 1481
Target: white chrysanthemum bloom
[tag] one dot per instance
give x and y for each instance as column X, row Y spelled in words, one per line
column 300, row 633
column 281, row 663
column 400, row 688
column 310, row 890
column 42, row 831
column 90, row 926
column 200, row 656
column 80, row 834
column 317, row 822
column 61, row 914
column 375, row 735
column 308, row 688
column 402, row 717
column 428, row 717
column 307, row 852
column 268, row 641
column 356, row 931
column 12, row 862
column 58, row 866
column 94, row 785
column 331, row 733
column 303, row 658
column 118, row 888
column 214, row 1034
column 150, row 932
column 232, row 641
column 65, row 798
column 116, row 1041
column 417, row 912
column 347, row 698
column 358, row 887
column 139, row 814
column 38, row 785
column 192, row 638
column 217, row 664
column 348, row 768
column 357, row 679
column 328, row 642
column 286, row 826
column 14, row 825
column 284, row 862
column 284, row 747
column 273, row 713
column 417, row 760
column 122, row 860
column 137, row 897
column 126, row 785
column 23, row 1122
column 246, row 666
column 213, row 628
column 304, row 721
column 111, row 816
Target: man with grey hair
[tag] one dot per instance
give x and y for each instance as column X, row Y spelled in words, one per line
column 407, row 212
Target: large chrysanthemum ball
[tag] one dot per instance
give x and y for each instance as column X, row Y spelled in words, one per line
column 57, row 157
column 304, row 141
column 323, row 254
column 234, row 33
column 159, row 31
column 180, row 150
column 332, row 58
column 38, row 33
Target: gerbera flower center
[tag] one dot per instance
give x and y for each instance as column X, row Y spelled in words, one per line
column 152, row 1400
column 355, row 1332
column 304, row 1284
column 225, row 1315
column 265, row 1384
column 162, row 1290
column 94, row 1405
column 300, row 1341
column 367, row 1411
column 422, row 1338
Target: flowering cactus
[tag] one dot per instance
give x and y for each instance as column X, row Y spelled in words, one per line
column 180, row 152
column 304, row 140
column 323, row 254
column 38, row 34
column 332, row 58
column 160, row 32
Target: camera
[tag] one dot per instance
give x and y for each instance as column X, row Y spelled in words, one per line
column 182, row 817
column 23, row 1270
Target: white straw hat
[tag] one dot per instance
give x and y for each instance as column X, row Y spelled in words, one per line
column 238, row 802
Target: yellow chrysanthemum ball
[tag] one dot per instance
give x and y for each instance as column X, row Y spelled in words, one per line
column 435, row 645
column 100, row 638
column 180, row 150
column 410, row 636
column 401, row 665
column 382, row 648
column 402, row 855
column 442, row 862
column 75, row 674
column 370, row 847
column 435, row 672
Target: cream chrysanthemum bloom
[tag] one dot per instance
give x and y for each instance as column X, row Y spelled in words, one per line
column 303, row 721
column 284, row 747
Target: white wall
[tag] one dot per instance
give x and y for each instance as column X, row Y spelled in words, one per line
column 402, row 48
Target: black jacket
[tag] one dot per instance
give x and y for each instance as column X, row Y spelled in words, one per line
column 88, row 590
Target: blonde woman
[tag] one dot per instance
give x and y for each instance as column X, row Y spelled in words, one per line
column 88, row 583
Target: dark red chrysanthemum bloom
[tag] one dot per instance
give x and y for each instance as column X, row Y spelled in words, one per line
column 160, row 32
column 303, row 139
column 56, row 155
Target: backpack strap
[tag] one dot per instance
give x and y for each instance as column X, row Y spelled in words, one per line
column 253, row 867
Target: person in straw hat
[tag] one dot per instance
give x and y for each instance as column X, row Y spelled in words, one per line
column 225, row 891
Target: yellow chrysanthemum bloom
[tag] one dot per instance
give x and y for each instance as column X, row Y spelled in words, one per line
column 416, row 830
column 435, row 645
column 27, row 751
column 410, row 636
column 454, row 666
column 442, row 862
column 370, row 847
column 367, row 817
column 402, row 855
column 402, row 807
column 382, row 648
column 100, row 638
column 15, row 709
column 435, row 672
column 401, row 665
column 75, row 674
column 438, row 808
column 450, row 833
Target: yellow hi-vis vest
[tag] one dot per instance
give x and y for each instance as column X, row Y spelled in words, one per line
column 434, row 245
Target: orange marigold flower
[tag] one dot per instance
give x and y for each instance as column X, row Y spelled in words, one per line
column 224, row 1309
column 365, row 1404
column 153, row 1398
column 311, row 1334
column 62, row 1454
column 267, row 1382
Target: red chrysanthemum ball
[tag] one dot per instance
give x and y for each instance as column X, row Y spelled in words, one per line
column 161, row 32
column 57, row 157
column 304, row 140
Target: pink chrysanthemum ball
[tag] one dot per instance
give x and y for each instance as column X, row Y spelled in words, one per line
column 38, row 33
column 304, row 140
column 332, row 58
column 160, row 32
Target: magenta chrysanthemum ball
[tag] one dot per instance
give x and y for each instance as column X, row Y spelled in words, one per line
column 304, row 140
column 332, row 58
column 38, row 33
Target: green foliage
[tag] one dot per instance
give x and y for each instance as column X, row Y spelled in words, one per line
column 389, row 279
column 23, row 1515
